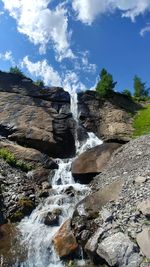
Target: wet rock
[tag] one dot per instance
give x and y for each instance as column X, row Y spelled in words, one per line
column 44, row 193
column 52, row 217
column 143, row 240
column 144, row 207
column 70, row 191
column 64, row 241
column 46, row 185
column 119, row 251
column 92, row 162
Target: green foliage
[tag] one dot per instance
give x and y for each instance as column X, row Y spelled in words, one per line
column 106, row 84
column 142, row 98
column 10, row 159
column 140, row 89
column 17, row 216
column 7, row 156
column 39, row 83
column 26, row 203
column 23, row 166
column 16, row 70
column 142, row 122
column 127, row 92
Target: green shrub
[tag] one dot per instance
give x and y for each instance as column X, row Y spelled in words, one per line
column 127, row 93
column 10, row 159
column 26, row 203
column 16, row 70
column 39, row 83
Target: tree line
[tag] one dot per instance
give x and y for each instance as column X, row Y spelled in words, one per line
column 106, row 85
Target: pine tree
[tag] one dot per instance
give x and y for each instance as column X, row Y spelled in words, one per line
column 140, row 88
column 106, row 83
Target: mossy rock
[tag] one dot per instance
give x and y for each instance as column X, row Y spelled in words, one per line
column 25, row 207
column 17, row 216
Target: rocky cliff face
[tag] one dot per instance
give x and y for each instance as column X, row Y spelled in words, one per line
column 36, row 117
column 36, row 125
column 110, row 119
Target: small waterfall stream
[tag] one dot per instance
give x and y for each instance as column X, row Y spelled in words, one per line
column 36, row 236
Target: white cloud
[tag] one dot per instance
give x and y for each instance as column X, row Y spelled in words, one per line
column 69, row 80
column 87, row 67
column 81, row 63
column 42, row 25
column 7, row 56
column 44, row 70
column 145, row 30
column 87, row 10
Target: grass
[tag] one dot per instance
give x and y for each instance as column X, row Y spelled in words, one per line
column 10, row 159
column 142, row 122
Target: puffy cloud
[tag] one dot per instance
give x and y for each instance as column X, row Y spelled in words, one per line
column 69, row 80
column 87, row 10
column 44, row 70
column 7, row 56
column 42, row 25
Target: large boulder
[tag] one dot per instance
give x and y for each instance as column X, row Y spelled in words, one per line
column 143, row 240
column 92, row 162
column 110, row 118
column 36, row 117
column 88, row 209
column 119, row 250
column 30, row 156
column 64, row 241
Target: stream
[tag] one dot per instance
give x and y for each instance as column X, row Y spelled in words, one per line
column 36, row 236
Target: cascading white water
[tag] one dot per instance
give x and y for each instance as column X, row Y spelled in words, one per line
column 36, row 236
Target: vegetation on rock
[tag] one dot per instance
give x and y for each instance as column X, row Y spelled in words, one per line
column 39, row 83
column 127, row 93
column 142, row 122
column 16, row 70
column 10, row 159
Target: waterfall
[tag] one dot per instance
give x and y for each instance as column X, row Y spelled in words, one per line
column 36, row 236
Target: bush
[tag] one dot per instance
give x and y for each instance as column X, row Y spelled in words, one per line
column 39, row 83
column 106, row 84
column 10, row 159
column 127, row 93
column 16, row 70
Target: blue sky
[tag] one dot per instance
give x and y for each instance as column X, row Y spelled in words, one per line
column 66, row 43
